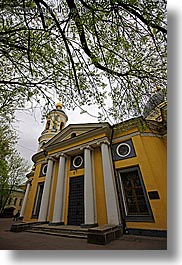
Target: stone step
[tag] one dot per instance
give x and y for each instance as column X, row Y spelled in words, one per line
column 57, row 230
column 69, row 231
column 81, row 236
column 102, row 234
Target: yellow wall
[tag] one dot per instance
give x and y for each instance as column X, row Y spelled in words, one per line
column 99, row 187
column 32, row 194
column 151, row 159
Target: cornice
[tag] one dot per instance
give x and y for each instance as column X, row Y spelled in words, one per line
column 75, row 142
column 72, row 141
column 38, row 156
column 80, row 147
column 141, row 124
column 130, row 135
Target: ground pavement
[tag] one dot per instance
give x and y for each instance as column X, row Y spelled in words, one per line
column 30, row 241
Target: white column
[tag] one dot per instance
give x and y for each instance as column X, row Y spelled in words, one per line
column 109, row 184
column 25, row 200
column 46, row 192
column 88, row 188
column 58, row 216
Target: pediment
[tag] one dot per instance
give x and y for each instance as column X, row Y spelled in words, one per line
column 74, row 130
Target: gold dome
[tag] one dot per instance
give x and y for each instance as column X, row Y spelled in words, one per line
column 59, row 105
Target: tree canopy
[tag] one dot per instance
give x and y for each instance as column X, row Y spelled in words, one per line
column 110, row 53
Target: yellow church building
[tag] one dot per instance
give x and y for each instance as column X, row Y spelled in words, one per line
column 93, row 174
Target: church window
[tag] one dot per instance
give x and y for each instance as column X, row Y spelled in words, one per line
column 135, row 201
column 15, row 201
column 38, row 199
column 61, row 126
column 77, row 161
column 48, row 125
column 20, row 202
column 73, row 135
column 54, row 127
column 123, row 149
column 43, row 170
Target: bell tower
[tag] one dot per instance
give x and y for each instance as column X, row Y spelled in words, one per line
column 55, row 122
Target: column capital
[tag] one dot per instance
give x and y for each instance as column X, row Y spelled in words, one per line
column 57, row 156
column 86, row 147
column 64, row 155
column 50, row 158
column 104, row 141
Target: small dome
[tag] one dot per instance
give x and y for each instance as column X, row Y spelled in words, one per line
column 58, row 108
column 153, row 102
column 59, row 105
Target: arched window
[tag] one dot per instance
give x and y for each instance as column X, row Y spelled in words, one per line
column 54, row 126
column 61, row 125
column 48, row 125
column 20, row 202
column 15, row 201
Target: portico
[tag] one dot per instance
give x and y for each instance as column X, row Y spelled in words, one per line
column 72, row 163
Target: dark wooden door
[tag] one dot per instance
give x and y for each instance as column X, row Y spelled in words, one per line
column 76, row 201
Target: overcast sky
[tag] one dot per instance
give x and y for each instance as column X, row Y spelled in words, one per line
column 29, row 128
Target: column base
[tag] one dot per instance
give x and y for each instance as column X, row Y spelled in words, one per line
column 43, row 222
column 56, row 223
column 104, row 234
column 88, row 225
